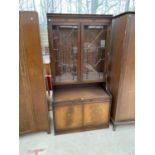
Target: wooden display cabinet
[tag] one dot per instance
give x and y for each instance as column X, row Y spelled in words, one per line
column 79, row 47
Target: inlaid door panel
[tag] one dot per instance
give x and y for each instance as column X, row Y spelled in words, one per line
column 68, row 117
column 96, row 113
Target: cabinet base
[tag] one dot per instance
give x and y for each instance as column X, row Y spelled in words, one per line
column 116, row 123
column 34, row 131
column 58, row 132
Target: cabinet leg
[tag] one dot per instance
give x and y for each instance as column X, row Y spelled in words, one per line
column 49, row 131
column 114, row 127
column 49, row 128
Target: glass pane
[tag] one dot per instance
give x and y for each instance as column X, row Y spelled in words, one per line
column 66, row 51
column 93, row 52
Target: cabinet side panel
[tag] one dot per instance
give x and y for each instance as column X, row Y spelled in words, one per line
column 26, row 121
column 117, row 37
column 126, row 97
column 35, row 67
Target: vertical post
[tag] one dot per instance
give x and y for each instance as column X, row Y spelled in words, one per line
column 87, row 64
column 59, row 54
column 107, row 50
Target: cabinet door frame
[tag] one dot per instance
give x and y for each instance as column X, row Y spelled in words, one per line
column 52, row 53
column 82, row 40
column 95, row 104
column 56, row 130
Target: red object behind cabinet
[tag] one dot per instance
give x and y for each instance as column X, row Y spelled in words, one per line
column 48, row 77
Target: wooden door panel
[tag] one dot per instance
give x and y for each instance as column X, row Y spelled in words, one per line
column 33, row 99
column 96, row 113
column 26, row 120
column 33, row 56
column 126, row 96
column 68, row 117
column 118, row 26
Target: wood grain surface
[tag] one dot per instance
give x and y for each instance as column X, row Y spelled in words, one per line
column 32, row 84
column 122, row 68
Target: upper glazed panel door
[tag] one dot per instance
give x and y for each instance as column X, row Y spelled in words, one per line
column 93, row 51
column 65, row 51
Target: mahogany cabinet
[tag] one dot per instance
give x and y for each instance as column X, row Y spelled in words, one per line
column 79, row 46
column 122, row 69
column 33, row 111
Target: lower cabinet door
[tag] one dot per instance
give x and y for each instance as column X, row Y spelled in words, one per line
column 96, row 114
column 68, row 117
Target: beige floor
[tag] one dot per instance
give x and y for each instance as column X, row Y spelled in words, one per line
column 96, row 142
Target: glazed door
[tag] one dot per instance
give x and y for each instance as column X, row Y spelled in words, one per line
column 65, row 52
column 93, row 51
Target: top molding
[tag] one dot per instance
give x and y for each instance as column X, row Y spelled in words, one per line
column 67, row 15
column 124, row 13
column 78, row 15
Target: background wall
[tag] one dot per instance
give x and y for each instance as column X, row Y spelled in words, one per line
column 73, row 6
